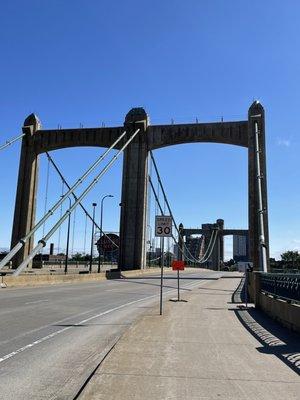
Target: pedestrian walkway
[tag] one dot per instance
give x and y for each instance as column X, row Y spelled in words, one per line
column 205, row 348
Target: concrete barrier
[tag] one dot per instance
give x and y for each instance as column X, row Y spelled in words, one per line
column 43, row 279
column 287, row 314
column 40, row 280
column 141, row 272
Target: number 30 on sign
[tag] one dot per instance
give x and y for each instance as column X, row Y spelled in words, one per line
column 163, row 226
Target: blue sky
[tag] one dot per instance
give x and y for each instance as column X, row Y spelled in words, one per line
column 87, row 62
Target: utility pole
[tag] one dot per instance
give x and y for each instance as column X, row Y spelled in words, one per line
column 92, row 239
column 150, row 232
column 68, row 240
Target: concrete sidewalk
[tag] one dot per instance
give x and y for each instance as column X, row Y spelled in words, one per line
column 206, row 348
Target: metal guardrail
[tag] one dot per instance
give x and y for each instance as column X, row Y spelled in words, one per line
column 285, row 270
column 282, row 286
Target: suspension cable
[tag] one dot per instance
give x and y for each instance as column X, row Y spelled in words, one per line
column 155, row 259
column 60, row 215
column 166, row 200
column 208, row 251
column 42, row 242
column 213, row 237
column 75, row 198
column 11, row 141
column 23, row 240
column 46, row 193
column 85, row 228
column 162, row 212
column 204, row 258
column 73, row 232
column 168, row 206
column 210, row 247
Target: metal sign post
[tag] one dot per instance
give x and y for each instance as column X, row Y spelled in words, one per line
column 178, row 266
column 163, row 228
column 161, row 273
column 178, row 291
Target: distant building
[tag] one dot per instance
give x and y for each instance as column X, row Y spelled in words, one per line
column 241, row 248
column 49, row 257
column 195, row 246
column 176, row 251
column 108, row 246
column 157, row 252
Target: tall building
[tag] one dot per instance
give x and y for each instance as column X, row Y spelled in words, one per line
column 195, row 246
column 241, row 248
column 176, row 251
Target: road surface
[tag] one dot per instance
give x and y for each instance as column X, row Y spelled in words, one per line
column 52, row 338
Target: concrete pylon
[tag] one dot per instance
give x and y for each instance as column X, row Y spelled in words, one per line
column 134, row 194
column 25, row 206
column 215, row 256
column 220, row 223
column 256, row 114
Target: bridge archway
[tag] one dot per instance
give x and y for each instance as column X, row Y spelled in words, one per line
column 217, row 256
column 134, row 182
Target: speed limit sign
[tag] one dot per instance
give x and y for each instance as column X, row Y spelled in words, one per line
column 163, row 226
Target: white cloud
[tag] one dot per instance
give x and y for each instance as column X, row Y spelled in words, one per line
column 283, row 142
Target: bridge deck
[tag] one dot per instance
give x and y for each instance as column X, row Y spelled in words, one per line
column 204, row 349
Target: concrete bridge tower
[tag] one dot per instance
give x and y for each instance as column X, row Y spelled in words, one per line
column 134, row 193
column 135, row 174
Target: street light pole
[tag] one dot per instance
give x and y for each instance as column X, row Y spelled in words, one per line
column 68, row 240
column 150, row 246
column 101, row 222
column 92, row 239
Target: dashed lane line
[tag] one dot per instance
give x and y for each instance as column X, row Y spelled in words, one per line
column 51, row 335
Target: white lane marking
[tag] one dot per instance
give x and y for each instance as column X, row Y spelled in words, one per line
column 43, row 339
column 47, row 326
column 36, row 301
column 2, row 342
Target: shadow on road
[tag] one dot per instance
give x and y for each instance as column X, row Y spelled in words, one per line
column 274, row 338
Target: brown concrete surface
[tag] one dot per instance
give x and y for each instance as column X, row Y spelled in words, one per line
column 40, row 279
column 287, row 314
column 206, row 348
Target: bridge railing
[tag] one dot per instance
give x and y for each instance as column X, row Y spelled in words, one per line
column 281, row 286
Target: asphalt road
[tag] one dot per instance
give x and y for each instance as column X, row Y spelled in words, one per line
column 52, row 338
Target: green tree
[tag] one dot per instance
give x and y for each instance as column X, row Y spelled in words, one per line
column 290, row 256
column 80, row 257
